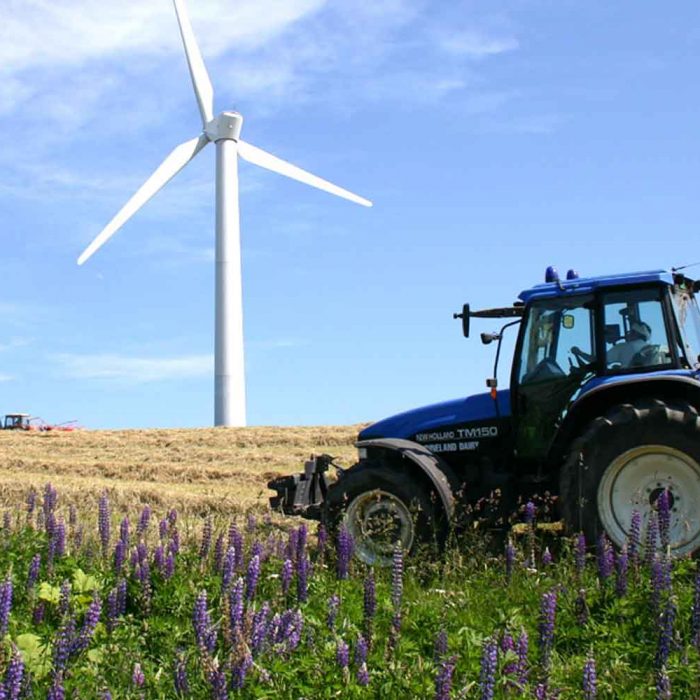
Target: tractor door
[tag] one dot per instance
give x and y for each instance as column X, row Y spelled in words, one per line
column 555, row 356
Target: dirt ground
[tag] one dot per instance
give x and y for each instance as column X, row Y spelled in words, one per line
column 197, row 471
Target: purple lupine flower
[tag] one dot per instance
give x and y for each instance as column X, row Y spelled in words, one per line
column 59, row 538
column 257, row 550
column 169, row 568
column 695, row 610
column 345, row 548
column 103, row 522
column 581, row 607
column 293, row 630
column 38, row 613
column 546, row 557
column 370, row 604
column 548, row 611
column 124, row 528
column 663, row 686
column 621, row 566
column 219, row 553
column 13, row 676
column 182, row 685
column 56, row 691
column 652, row 535
column 137, row 676
column 397, row 576
column 163, row 529
column 144, row 520
column 235, row 540
column 443, row 679
column 251, row 523
column 634, row 537
column 240, row 670
column 303, row 577
column 529, row 513
column 172, row 518
column 322, row 539
column 63, row 642
column 302, row 535
column 580, row 553
column 64, row 598
column 666, row 626
column 333, row 605
column 258, row 634
column 510, row 559
column 489, row 663
column 362, row 675
column 5, row 605
column 590, row 680
column 121, row 596
column 49, row 505
column 31, row 504
column 236, row 605
column 342, row 654
column 286, row 575
column 205, row 545
column 663, row 505
column 106, row 694
column 201, row 621
column 540, row 692
column 174, row 543
column 112, row 610
column 78, row 537
column 217, row 681
column 440, row 646
column 252, row 577
column 660, row 581
column 87, row 630
column 606, row 557
column 34, row 569
column 159, row 557
column 228, row 568
column 508, row 644
column 120, row 550
column 361, row 651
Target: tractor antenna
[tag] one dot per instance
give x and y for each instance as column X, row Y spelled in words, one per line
column 683, row 267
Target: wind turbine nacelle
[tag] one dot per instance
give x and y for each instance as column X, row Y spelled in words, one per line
column 226, row 126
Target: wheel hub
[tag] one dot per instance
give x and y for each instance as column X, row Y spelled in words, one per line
column 635, row 480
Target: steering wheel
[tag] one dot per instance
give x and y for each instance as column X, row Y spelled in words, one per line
column 583, row 359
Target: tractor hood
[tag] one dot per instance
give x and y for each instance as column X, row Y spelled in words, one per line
column 406, row 425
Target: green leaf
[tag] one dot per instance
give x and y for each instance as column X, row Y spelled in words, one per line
column 35, row 654
column 82, row 583
column 49, row 593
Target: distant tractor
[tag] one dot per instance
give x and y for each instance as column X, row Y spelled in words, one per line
column 17, row 421
column 602, row 409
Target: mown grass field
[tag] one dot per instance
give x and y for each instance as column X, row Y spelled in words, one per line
column 219, row 470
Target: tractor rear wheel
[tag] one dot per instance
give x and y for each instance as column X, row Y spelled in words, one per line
column 381, row 506
column 624, row 461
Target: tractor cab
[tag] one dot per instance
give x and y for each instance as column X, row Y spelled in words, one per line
column 17, row 421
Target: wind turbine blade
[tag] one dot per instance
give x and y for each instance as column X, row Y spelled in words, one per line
column 165, row 172
column 266, row 160
column 198, row 71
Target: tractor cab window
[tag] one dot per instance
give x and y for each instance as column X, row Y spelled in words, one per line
column 558, row 340
column 635, row 330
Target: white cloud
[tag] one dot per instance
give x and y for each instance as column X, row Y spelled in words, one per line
column 6, row 378
column 13, row 343
column 134, row 369
column 475, row 44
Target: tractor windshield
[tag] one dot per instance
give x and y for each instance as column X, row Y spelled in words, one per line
column 688, row 315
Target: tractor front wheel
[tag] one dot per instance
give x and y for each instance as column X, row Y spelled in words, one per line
column 380, row 506
column 624, row 461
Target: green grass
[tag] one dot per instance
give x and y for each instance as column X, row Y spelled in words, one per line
column 466, row 593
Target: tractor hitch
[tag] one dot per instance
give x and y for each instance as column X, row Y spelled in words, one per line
column 303, row 494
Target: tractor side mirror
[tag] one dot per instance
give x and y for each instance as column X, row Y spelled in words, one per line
column 465, row 319
column 487, row 338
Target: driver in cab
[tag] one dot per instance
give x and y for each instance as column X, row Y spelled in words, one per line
column 636, row 338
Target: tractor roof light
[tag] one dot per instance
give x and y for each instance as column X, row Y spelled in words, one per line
column 572, row 274
column 551, row 274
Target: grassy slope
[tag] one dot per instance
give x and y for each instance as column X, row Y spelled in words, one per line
column 199, row 470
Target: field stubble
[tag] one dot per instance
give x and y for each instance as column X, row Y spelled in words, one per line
column 198, row 471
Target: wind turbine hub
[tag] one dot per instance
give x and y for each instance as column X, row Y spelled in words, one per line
column 226, row 126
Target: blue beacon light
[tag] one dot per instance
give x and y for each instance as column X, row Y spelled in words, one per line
column 551, row 274
column 572, row 275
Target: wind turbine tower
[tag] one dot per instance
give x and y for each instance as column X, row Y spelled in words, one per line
column 224, row 131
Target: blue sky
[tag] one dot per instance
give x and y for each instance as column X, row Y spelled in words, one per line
column 494, row 138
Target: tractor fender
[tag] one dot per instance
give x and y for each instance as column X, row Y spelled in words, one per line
column 435, row 469
column 599, row 400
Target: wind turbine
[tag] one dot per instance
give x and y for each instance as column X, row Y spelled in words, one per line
column 224, row 131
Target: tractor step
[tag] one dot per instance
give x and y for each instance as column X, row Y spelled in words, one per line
column 302, row 494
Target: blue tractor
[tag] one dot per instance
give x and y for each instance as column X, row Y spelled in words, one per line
column 602, row 409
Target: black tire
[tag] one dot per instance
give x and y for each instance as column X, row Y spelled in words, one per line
column 623, row 461
column 381, row 505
